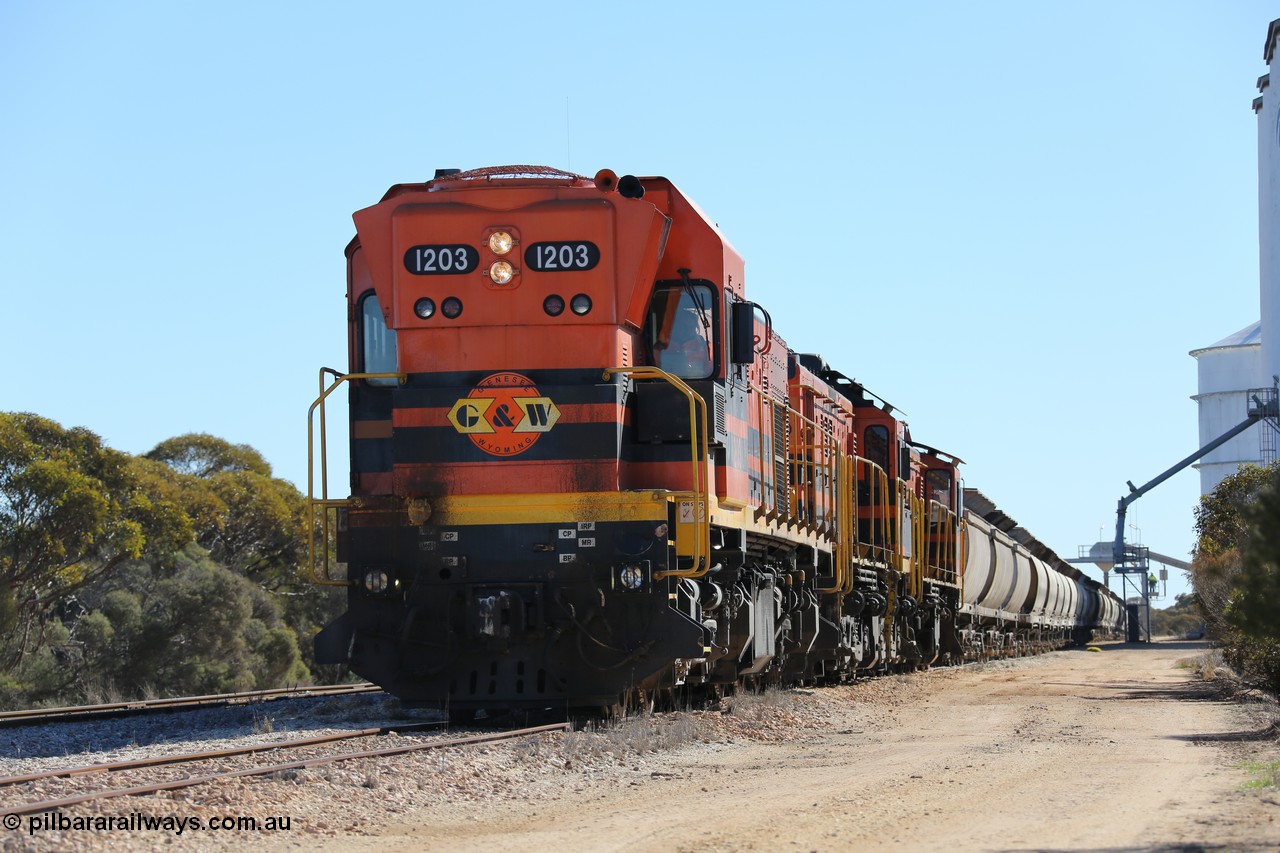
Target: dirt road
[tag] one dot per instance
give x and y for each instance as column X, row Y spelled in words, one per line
column 1113, row 750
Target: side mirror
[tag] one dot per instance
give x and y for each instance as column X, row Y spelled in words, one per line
column 742, row 347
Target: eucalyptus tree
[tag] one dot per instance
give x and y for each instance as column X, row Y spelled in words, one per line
column 71, row 510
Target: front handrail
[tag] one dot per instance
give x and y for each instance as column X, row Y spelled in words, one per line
column 323, row 501
column 701, row 493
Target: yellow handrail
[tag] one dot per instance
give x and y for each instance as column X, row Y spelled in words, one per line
column 877, row 525
column 323, row 501
column 943, row 553
column 827, row 467
column 768, row 465
column 701, row 494
column 904, row 502
column 846, row 524
column 920, row 563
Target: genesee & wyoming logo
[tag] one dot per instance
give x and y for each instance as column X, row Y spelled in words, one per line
column 504, row 415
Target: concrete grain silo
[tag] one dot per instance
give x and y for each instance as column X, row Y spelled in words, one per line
column 1249, row 359
column 1227, row 371
column 1267, row 106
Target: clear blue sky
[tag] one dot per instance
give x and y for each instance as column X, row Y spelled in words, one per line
column 1012, row 220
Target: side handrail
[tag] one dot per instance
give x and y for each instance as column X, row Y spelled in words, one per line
column 819, row 482
column 877, row 508
column 845, row 529
column 768, row 462
column 920, row 562
column 943, row 542
column 902, row 507
column 323, row 502
column 701, row 494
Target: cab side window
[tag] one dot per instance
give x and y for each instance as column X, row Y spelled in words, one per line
column 875, row 446
column 377, row 342
column 937, row 486
column 679, row 331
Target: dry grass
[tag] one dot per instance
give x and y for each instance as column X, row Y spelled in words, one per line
column 749, row 705
column 771, row 715
column 631, row 736
column 1208, row 666
column 263, row 724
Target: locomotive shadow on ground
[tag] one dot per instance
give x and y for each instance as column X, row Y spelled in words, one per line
column 1159, row 645
column 1153, row 848
column 1186, row 691
column 1183, row 691
column 274, row 721
column 1189, row 691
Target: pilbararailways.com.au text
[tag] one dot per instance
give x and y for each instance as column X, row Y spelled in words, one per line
column 138, row 822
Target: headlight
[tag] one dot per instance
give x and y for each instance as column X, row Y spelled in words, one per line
column 501, row 272
column 500, row 242
column 424, row 308
column 451, row 307
column 631, row 576
column 580, row 304
column 376, row 581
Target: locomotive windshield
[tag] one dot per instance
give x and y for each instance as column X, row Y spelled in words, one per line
column 679, row 331
column 377, row 342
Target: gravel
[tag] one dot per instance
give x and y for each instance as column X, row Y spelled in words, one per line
column 346, row 798
column 354, row 798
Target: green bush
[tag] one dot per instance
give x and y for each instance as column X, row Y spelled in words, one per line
column 1236, row 571
column 127, row 577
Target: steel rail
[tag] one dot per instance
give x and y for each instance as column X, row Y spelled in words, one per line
column 75, row 712
column 192, row 781
column 192, row 757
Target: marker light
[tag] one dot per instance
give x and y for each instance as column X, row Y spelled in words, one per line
column 451, row 307
column 580, row 304
column 424, row 308
column 631, row 576
column 553, row 305
column 500, row 242
column 501, row 272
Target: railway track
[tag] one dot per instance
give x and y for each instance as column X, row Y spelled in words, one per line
column 188, row 781
column 182, row 703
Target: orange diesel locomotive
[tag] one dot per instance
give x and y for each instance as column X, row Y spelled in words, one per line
column 586, row 471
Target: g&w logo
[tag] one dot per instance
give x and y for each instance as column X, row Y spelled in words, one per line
column 504, row 414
